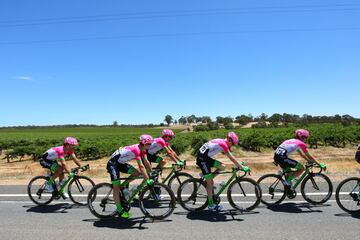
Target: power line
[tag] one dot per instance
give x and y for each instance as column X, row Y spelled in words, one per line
column 181, row 13
column 182, row 35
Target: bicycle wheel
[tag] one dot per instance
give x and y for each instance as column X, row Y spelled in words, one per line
column 101, row 202
column 192, row 195
column 316, row 188
column 244, row 194
column 348, row 195
column 78, row 189
column 176, row 180
column 157, row 207
column 37, row 192
column 272, row 189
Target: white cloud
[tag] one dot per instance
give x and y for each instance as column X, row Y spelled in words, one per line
column 25, row 78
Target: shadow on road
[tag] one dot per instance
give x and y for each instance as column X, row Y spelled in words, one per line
column 54, row 208
column 213, row 216
column 119, row 223
column 354, row 215
column 297, row 208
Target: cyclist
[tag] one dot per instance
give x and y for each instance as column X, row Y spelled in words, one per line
column 54, row 159
column 118, row 163
column 357, row 155
column 290, row 146
column 159, row 144
column 205, row 161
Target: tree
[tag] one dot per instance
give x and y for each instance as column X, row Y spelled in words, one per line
column 275, row 118
column 115, row 124
column 243, row 119
column 206, row 119
column 168, row 119
column 183, row 120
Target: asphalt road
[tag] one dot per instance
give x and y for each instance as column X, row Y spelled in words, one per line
column 21, row 219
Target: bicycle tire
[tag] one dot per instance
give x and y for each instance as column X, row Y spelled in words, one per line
column 178, row 179
column 315, row 179
column 342, row 190
column 151, row 207
column 244, row 194
column 39, row 192
column 192, row 195
column 272, row 186
column 77, row 184
column 100, row 196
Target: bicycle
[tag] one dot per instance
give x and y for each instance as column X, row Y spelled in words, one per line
column 102, row 205
column 78, row 186
column 275, row 188
column 347, row 195
column 243, row 193
column 175, row 177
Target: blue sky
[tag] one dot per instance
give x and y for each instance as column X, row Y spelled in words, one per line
column 94, row 62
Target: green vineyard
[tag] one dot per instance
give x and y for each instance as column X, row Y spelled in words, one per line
column 98, row 142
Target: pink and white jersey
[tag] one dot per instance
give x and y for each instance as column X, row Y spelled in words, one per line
column 292, row 145
column 157, row 145
column 215, row 146
column 128, row 153
column 57, row 152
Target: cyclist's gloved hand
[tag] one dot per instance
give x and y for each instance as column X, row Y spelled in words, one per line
column 180, row 163
column 245, row 168
column 322, row 166
column 149, row 182
column 71, row 174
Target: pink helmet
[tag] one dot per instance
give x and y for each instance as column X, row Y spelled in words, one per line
column 234, row 138
column 167, row 132
column 146, row 139
column 71, row 141
column 302, row 133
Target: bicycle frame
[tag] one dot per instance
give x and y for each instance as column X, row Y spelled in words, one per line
column 174, row 170
column 308, row 170
column 233, row 176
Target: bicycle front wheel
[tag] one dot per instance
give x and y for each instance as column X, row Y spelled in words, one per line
column 176, row 180
column 316, row 188
column 157, row 201
column 37, row 192
column 101, row 202
column 348, row 195
column 79, row 188
column 244, row 194
column 272, row 189
column 192, row 195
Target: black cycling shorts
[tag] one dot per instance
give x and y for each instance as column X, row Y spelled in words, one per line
column 281, row 158
column 114, row 169
column 205, row 162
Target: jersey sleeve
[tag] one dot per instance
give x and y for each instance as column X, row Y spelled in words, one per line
column 303, row 147
column 224, row 146
column 162, row 142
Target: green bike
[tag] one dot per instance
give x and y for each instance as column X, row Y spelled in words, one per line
column 175, row 177
column 316, row 187
column 102, row 205
column 78, row 188
column 243, row 193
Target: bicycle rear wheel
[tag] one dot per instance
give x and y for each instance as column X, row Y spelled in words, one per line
column 316, row 188
column 79, row 188
column 157, row 201
column 244, row 194
column 272, row 189
column 37, row 192
column 192, row 195
column 348, row 195
column 101, row 202
column 176, row 180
